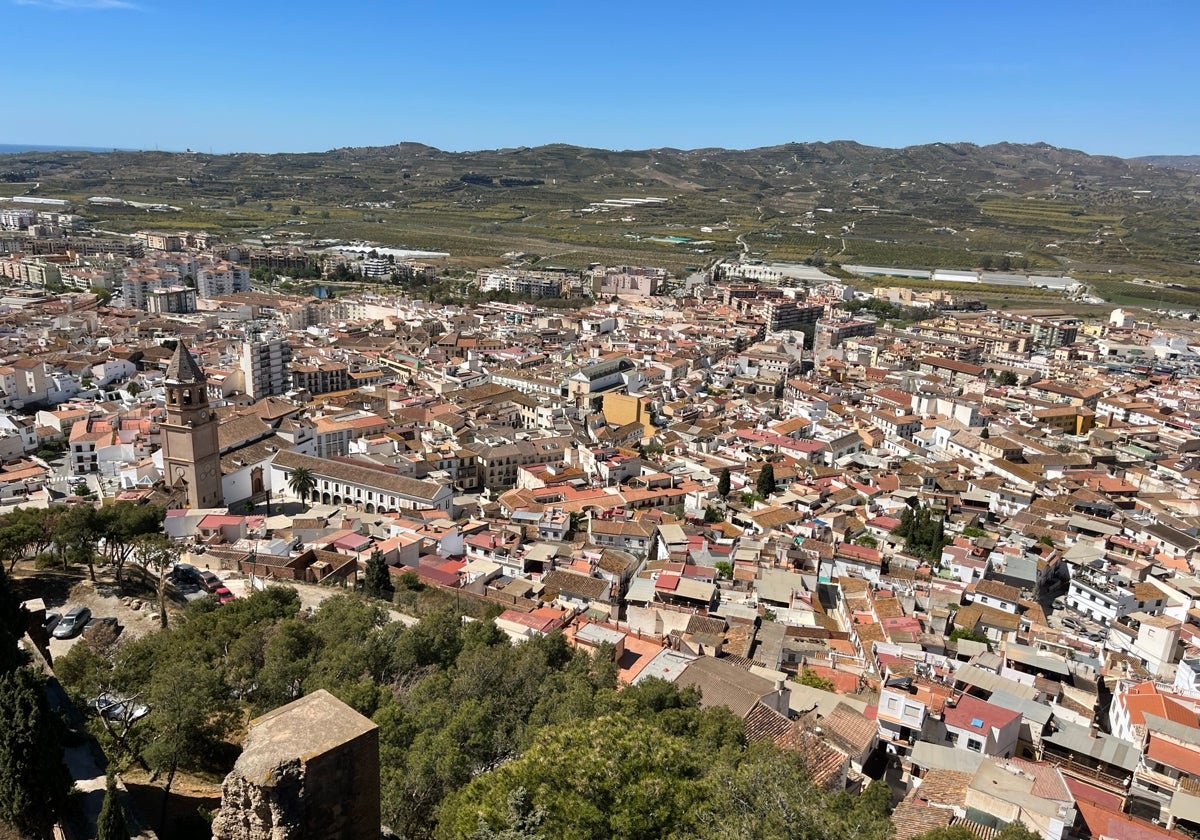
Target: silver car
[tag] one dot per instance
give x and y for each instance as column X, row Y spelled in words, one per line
column 72, row 623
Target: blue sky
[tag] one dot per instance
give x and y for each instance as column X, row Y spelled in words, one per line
column 260, row 75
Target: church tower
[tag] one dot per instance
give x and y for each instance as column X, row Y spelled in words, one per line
column 191, row 453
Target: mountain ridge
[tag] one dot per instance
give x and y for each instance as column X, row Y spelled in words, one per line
column 929, row 205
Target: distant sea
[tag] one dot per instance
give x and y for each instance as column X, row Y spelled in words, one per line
column 16, row 148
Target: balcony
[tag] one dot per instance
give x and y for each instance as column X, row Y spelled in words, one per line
column 1154, row 777
column 1088, row 774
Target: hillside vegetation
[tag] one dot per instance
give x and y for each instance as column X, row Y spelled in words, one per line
column 940, row 205
column 478, row 738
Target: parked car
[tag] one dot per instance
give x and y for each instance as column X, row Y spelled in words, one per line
column 109, row 622
column 209, row 582
column 184, row 575
column 72, row 623
column 224, row 596
column 114, row 708
column 52, row 619
column 1073, row 624
column 1060, row 604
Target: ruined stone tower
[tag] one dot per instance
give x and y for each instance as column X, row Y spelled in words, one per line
column 308, row 770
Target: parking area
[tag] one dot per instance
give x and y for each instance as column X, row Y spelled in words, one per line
column 1077, row 625
column 136, row 615
column 135, row 608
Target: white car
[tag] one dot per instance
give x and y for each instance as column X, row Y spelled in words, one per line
column 111, row 707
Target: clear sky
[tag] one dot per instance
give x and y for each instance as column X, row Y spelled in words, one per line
column 261, row 75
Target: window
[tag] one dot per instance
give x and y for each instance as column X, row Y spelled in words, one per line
column 974, row 745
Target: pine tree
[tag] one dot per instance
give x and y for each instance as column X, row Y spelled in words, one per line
column 376, row 580
column 33, row 779
column 111, row 825
column 723, row 483
column 13, row 619
column 766, row 481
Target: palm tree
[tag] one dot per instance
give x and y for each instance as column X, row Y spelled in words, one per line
column 302, row 482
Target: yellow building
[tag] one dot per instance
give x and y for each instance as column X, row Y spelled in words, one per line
column 622, row 409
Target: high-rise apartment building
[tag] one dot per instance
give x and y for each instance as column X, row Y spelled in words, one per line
column 266, row 364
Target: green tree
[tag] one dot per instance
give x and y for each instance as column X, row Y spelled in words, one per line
column 288, row 657
column 75, row 537
column 713, row 514
column 924, row 534
column 112, row 825
column 765, row 485
column 767, row 794
column 812, row 679
column 723, row 483
column 1017, row 830
column 33, row 779
column 971, row 635
column 346, row 665
column 629, row 778
column 13, row 620
column 189, row 715
column 120, row 525
column 376, row 578
column 302, row 482
column 521, row 823
column 724, row 569
column 867, row 541
column 156, row 555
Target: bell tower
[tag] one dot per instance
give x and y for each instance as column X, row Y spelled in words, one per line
column 191, row 452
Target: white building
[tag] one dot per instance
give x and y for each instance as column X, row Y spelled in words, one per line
column 363, row 487
column 266, row 366
column 1157, row 642
column 1099, row 594
column 222, row 279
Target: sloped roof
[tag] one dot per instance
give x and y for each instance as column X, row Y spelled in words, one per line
column 182, row 369
column 913, row 819
column 850, row 728
column 723, row 684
